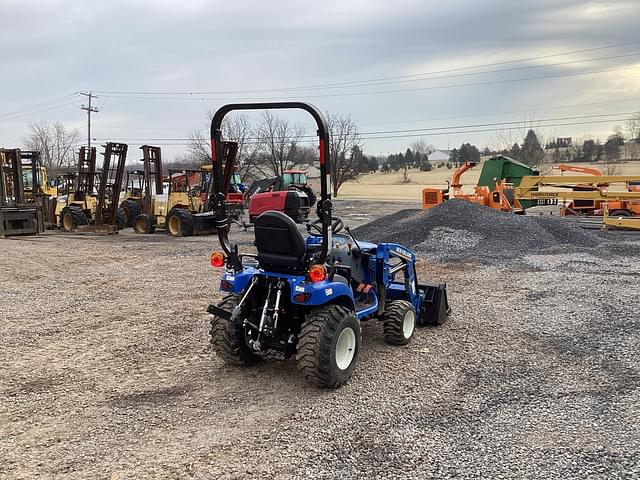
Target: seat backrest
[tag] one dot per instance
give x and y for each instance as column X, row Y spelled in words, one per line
column 281, row 247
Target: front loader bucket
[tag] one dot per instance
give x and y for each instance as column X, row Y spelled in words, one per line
column 435, row 305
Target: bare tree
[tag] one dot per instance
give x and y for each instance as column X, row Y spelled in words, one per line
column 199, row 146
column 610, row 167
column 181, row 162
column 345, row 142
column 421, row 147
column 632, row 146
column 55, row 143
column 506, row 139
column 236, row 128
column 278, row 144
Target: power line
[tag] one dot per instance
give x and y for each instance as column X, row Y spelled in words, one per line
column 380, row 92
column 37, row 111
column 38, row 107
column 433, row 131
column 486, row 72
column 431, row 119
column 435, row 134
column 383, row 79
column 484, row 114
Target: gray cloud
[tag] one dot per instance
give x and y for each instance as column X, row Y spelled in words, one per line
column 51, row 48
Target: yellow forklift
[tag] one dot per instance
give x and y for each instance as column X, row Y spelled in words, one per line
column 181, row 205
column 131, row 203
column 88, row 200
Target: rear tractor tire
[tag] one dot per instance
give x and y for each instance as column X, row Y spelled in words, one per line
column 228, row 338
column 71, row 217
column 179, row 223
column 399, row 322
column 143, row 224
column 328, row 345
column 131, row 209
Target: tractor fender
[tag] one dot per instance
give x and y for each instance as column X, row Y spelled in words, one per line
column 322, row 293
column 314, row 294
column 237, row 282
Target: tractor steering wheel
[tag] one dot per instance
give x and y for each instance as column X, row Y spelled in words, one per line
column 336, row 225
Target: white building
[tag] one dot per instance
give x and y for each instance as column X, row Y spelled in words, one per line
column 439, row 156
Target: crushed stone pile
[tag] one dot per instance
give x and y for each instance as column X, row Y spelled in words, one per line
column 458, row 229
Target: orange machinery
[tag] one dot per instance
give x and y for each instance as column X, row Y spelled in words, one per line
column 501, row 198
column 616, row 208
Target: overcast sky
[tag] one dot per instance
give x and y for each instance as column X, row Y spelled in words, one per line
column 155, row 51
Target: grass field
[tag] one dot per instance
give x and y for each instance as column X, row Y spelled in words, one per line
column 391, row 187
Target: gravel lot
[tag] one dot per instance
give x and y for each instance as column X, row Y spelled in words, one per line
column 106, row 371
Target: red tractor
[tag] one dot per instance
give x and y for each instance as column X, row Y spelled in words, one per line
column 289, row 194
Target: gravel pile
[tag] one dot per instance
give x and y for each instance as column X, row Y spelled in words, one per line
column 458, row 229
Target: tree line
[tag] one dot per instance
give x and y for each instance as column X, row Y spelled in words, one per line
column 276, row 145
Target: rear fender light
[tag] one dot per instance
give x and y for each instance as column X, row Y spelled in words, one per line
column 301, row 297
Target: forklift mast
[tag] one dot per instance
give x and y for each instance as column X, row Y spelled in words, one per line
column 152, row 166
column 85, row 181
column 31, row 163
column 115, row 156
column 11, row 180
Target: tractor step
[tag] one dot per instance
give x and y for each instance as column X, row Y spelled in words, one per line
column 218, row 312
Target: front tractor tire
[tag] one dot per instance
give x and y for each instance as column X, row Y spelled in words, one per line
column 71, row 218
column 399, row 322
column 179, row 223
column 228, row 338
column 328, row 345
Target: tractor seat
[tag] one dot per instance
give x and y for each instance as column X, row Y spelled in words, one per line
column 281, row 247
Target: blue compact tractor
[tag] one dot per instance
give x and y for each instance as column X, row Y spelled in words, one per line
column 305, row 298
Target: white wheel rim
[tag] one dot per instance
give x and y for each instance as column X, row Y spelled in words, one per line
column 345, row 348
column 408, row 323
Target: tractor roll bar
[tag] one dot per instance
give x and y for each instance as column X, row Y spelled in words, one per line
column 219, row 207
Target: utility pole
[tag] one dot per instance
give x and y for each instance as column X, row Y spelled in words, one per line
column 89, row 109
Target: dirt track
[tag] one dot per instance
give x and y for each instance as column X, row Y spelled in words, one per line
column 106, row 373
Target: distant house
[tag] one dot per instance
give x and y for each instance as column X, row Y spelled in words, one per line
column 439, row 156
column 563, row 142
column 312, row 172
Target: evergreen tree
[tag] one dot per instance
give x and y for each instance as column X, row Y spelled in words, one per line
column 515, row 152
column 531, row 153
column 468, row 153
column 454, row 157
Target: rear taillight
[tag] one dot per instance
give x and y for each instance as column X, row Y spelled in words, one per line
column 217, row 259
column 317, row 273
